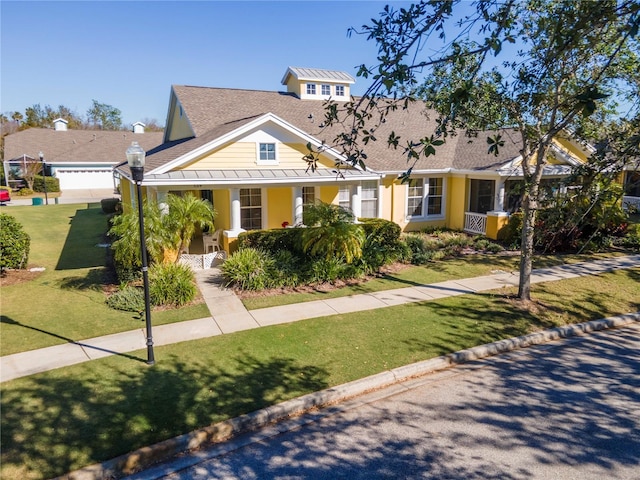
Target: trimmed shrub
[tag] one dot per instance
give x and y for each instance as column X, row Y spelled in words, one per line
column 382, row 245
column 111, row 205
column 128, row 298
column 14, row 243
column 171, row 284
column 53, row 184
column 273, row 241
column 24, row 192
column 249, row 269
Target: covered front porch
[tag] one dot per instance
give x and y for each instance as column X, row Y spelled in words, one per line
column 490, row 202
column 254, row 200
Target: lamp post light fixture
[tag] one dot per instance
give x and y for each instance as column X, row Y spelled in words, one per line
column 44, row 177
column 135, row 159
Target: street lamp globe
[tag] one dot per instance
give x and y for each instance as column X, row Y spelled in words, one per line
column 135, row 159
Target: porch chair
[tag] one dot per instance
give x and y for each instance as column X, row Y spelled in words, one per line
column 212, row 240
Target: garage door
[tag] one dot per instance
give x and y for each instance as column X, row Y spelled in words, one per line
column 81, row 179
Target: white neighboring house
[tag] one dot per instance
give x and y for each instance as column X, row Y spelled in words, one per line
column 79, row 159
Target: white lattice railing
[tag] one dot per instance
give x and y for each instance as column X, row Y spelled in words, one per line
column 631, row 202
column 200, row 262
column 475, row 223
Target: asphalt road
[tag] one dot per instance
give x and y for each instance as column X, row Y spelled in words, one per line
column 565, row 410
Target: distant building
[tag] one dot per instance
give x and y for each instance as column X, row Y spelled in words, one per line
column 80, row 159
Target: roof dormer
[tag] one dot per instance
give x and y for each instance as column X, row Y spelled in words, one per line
column 317, row 84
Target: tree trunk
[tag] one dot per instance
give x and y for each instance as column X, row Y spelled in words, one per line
column 526, row 248
column 530, row 211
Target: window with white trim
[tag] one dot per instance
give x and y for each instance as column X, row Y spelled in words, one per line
column 267, row 153
column 369, row 199
column 311, row 88
column 339, row 90
column 325, row 89
column 425, row 197
column 251, row 208
column 434, row 196
column 308, row 196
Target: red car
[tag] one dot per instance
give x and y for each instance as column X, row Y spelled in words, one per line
column 5, row 196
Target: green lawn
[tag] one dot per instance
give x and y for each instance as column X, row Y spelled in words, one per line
column 62, row 420
column 439, row 271
column 66, row 302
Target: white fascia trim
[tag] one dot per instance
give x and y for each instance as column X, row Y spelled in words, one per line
column 250, row 181
column 84, row 164
column 435, row 171
column 269, row 117
column 254, row 182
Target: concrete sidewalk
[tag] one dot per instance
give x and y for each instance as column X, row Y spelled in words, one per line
column 229, row 315
column 90, row 195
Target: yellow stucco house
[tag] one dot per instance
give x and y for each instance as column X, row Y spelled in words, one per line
column 244, row 149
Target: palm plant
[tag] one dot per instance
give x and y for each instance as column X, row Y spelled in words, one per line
column 185, row 214
column 331, row 233
column 164, row 230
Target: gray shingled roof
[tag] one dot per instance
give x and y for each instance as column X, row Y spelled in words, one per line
column 216, row 111
column 76, row 146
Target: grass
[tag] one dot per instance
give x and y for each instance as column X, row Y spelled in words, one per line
column 66, row 302
column 440, row 271
column 62, row 420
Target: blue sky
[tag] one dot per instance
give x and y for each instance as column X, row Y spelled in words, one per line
column 128, row 53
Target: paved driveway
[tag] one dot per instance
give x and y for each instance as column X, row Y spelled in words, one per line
column 565, row 410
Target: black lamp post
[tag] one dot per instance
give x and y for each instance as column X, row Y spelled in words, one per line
column 135, row 159
column 44, row 177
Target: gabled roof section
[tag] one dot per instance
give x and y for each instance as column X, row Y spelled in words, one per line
column 317, row 75
column 78, row 146
column 217, row 111
column 177, row 126
column 228, row 133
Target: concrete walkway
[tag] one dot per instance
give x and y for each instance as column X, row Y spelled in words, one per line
column 229, row 315
column 91, row 195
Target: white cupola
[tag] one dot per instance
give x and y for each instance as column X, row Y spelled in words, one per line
column 138, row 127
column 317, row 84
column 60, row 125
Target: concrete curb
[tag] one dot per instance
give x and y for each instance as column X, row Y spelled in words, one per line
column 147, row 456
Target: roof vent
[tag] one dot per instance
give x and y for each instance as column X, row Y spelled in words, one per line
column 138, row 127
column 60, row 125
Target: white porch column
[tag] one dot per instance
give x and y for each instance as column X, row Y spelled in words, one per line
column 297, row 205
column 498, row 204
column 235, row 209
column 356, row 200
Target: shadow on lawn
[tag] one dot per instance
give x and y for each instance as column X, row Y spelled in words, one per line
column 525, row 419
column 55, row 424
column 81, row 248
column 9, row 321
column 487, row 317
